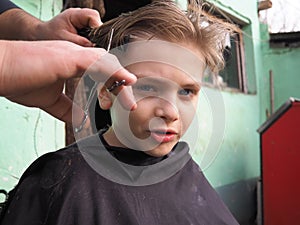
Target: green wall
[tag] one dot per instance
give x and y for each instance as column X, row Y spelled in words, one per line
column 27, row 133
column 284, row 64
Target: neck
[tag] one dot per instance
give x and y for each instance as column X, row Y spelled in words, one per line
column 111, row 139
column 126, row 155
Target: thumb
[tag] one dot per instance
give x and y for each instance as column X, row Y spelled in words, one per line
column 79, row 40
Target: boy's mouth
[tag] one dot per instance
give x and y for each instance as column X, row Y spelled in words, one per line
column 163, row 136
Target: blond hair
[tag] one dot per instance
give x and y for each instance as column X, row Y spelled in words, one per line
column 166, row 21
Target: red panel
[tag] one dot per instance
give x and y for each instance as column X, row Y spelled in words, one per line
column 281, row 169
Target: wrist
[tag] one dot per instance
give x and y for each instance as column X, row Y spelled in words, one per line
column 5, row 64
column 16, row 24
column 38, row 31
column 29, row 27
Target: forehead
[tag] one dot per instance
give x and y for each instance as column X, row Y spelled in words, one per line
column 185, row 58
column 162, row 72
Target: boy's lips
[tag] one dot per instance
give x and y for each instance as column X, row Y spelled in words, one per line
column 163, row 136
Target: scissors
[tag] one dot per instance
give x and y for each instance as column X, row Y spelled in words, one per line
column 94, row 89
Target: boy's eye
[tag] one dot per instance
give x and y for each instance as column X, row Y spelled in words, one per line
column 145, row 87
column 185, row 92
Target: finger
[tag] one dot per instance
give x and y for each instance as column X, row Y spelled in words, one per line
column 108, row 69
column 93, row 17
column 123, row 74
column 126, row 98
column 123, row 77
column 124, row 93
column 85, row 18
column 77, row 39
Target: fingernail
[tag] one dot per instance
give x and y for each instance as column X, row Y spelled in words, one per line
column 88, row 44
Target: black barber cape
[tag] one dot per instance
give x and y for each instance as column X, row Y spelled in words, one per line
column 69, row 187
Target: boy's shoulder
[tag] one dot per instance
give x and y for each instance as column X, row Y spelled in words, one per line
column 88, row 158
column 54, row 167
column 67, row 154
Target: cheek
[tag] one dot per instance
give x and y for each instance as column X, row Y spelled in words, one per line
column 187, row 113
column 135, row 119
column 140, row 116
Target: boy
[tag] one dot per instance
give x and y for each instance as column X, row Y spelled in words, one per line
column 136, row 171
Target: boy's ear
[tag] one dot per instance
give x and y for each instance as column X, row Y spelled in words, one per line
column 104, row 97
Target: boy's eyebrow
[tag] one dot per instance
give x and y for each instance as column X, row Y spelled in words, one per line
column 195, row 85
column 152, row 79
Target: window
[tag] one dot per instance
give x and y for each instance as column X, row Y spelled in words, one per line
column 233, row 76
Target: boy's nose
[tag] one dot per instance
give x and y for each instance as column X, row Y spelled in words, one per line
column 167, row 111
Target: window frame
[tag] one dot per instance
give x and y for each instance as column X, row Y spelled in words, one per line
column 240, row 50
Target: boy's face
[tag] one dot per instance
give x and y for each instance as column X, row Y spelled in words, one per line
column 166, row 103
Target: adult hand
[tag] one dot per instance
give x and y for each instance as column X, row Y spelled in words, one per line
column 16, row 24
column 64, row 26
column 34, row 73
